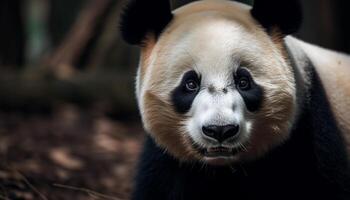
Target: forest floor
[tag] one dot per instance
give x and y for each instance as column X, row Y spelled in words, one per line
column 68, row 154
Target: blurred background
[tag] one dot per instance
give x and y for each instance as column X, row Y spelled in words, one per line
column 69, row 125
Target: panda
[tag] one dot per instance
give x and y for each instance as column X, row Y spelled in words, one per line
column 235, row 107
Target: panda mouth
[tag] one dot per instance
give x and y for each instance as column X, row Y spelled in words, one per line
column 219, row 152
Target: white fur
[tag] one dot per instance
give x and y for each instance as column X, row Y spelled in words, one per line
column 217, row 108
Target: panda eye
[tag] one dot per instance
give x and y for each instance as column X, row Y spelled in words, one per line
column 191, row 85
column 244, row 83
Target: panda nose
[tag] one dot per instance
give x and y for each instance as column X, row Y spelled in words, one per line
column 221, row 133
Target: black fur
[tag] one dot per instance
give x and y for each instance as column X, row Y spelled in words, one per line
column 142, row 17
column 283, row 14
column 181, row 98
column 252, row 97
column 312, row 164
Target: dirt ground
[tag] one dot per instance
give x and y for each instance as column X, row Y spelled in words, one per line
column 68, row 154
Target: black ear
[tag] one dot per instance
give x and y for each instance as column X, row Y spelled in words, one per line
column 286, row 15
column 142, row 17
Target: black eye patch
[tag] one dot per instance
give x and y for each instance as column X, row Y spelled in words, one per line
column 181, row 97
column 254, row 95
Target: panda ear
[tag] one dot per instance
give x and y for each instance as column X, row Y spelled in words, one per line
column 143, row 17
column 285, row 15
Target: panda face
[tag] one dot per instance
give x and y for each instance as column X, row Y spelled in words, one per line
column 215, row 87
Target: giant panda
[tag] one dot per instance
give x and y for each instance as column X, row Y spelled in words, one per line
column 234, row 107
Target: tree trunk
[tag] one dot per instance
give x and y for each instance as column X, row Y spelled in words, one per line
column 12, row 37
column 77, row 45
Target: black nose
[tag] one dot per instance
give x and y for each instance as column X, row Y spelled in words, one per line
column 221, row 133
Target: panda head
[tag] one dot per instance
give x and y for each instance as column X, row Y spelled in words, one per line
column 214, row 83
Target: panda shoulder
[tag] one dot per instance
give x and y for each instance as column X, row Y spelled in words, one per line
column 333, row 68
